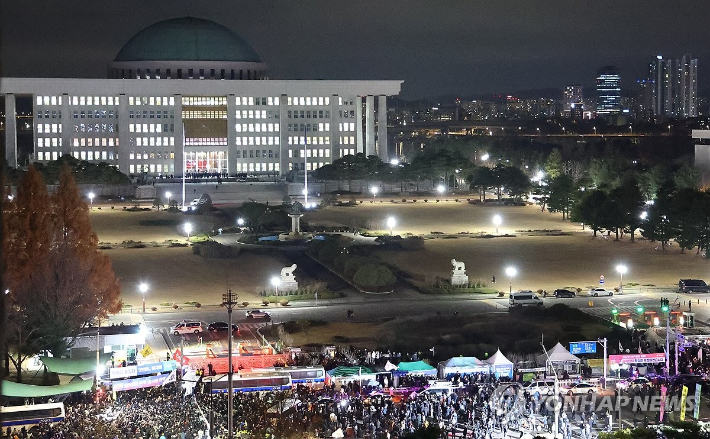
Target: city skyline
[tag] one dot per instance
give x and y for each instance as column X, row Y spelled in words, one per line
column 461, row 50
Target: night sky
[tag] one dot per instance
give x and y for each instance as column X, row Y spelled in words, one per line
column 438, row 47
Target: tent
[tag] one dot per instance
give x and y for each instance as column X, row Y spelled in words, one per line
column 342, row 375
column 415, row 368
column 10, row 388
column 561, row 359
column 74, row 366
column 500, row 365
column 462, row 365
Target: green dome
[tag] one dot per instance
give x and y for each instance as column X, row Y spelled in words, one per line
column 187, row 39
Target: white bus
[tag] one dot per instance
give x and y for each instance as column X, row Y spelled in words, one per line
column 310, row 375
column 27, row 416
column 250, row 382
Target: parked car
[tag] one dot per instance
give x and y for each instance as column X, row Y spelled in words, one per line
column 258, row 314
column 221, row 327
column 693, row 286
column 524, row 298
column 580, row 388
column 561, row 292
column 633, row 383
column 186, row 327
column 595, row 292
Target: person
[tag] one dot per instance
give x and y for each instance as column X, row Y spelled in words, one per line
column 493, row 279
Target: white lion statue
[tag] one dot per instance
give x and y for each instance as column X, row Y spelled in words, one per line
column 287, row 273
column 459, row 267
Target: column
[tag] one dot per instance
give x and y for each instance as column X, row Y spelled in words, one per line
column 232, row 134
column 369, row 125
column 124, row 137
column 382, row 128
column 179, row 162
column 358, row 124
column 67, row 129
column 11, row 130
column 283, row 135
column 334, row 129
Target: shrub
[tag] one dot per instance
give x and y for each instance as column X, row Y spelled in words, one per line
column 404, row 200
column 426, row 201
column 245, row 304
column 153, row 308
column 175, row 306
column 374, row 276
column 283, row 302
column 412, row 243
column 354, row 263
column 198, row 305
column 265, row 302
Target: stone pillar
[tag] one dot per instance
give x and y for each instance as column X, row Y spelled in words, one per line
column 358, row 124
column 67, row 129
column 370, row 125
column 232, row 134
column 124, row 137
column 283, row 135
column 382, row 152
column 334, row 129
column 11, row 129
column 179, row 162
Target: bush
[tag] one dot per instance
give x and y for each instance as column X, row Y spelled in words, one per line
column 283, row 302
column 412, row 243
column 353, row 265
column 245, row 304
column 175, row 306
column 329, row 251
column 198, row 305
column 153, row 308
column 374, row 276
column 340, row 261
column 265, row 302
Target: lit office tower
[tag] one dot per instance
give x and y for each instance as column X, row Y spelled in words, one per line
column 661, row 77
column 608, row 91
column 572, row 95
column 686, row 95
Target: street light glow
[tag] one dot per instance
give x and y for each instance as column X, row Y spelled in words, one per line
column 511, row 271
column 622, row 269
column 143, row 287
column 91, row 199
column 391, row 223
column 275, row 281
column 440, row 188
column 497, row 221
column 188, row 228
column 240, row 221
column 643, row 215
column 373, row 189
column 485, row 157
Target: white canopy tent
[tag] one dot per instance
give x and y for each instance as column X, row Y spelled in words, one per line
column 500, row 365
column 560, row 359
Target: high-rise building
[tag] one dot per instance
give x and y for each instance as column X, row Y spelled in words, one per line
column 644, row 100
column 687, row 83
column 572, row 95
column 674, row 86
column 608, row 91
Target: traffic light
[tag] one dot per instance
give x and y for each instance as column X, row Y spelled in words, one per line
column 639, row 309
column 665, row 308
column 614, row 311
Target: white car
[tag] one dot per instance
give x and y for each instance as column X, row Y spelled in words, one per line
column 543, row 387
column 595, row 292
column 632, row 384
column 258, row 314
column 580, row 388
column 186, row 327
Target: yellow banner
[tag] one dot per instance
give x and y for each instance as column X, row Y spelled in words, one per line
column 682, row 402
column 147, row 350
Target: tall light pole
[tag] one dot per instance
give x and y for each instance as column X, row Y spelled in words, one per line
column 91, row 200
column 275, row 282
column 188, row 230
column 621, row 268
column 168, row 195
column 390, row 224
column 229, row 301
column 511, row 272
column 143, row 287
column 374, row 190
column 497, row 221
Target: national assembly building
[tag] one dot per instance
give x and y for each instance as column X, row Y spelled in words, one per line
column 188, row 95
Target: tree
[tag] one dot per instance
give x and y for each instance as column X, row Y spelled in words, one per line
column 687, row 177
column 517, row 183
column 562, row 191
column 553, row 164
column 375, row 276
column 591, row 210
column 481, row 178
column 657, row 226
column 60, row 282
column 629, row 203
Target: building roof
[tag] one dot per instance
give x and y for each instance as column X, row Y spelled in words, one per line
column 187, row 39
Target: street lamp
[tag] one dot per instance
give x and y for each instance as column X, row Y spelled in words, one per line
column 240, row 222
column 511, row 272
column 275, row 282
column 188, row 230
column 390, row 224
column 143, row 287
column 621, row 268
column 497, row 221
column 168, row 195
column 485, row 157
column 440, row 189
column 91, row 200
column 373, row 189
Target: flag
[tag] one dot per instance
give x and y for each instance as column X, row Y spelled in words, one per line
column 147, row 350
column 684, row 394
column 640, row 352
column 170, row 378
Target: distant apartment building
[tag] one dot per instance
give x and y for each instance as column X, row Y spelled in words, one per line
column 572, row 95
column 674, row 87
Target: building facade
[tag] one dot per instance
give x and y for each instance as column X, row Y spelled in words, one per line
column 199, row 104
column 573, row 94
column 608, row 91
column 675, row 86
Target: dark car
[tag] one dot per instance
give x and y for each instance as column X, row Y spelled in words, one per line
column 693, row 286
column 564, row 293
column 221, row 327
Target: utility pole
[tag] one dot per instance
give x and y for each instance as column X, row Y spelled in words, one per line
column 556, row 399
column 603, row 342
column 668, row 343
column 229, row 301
